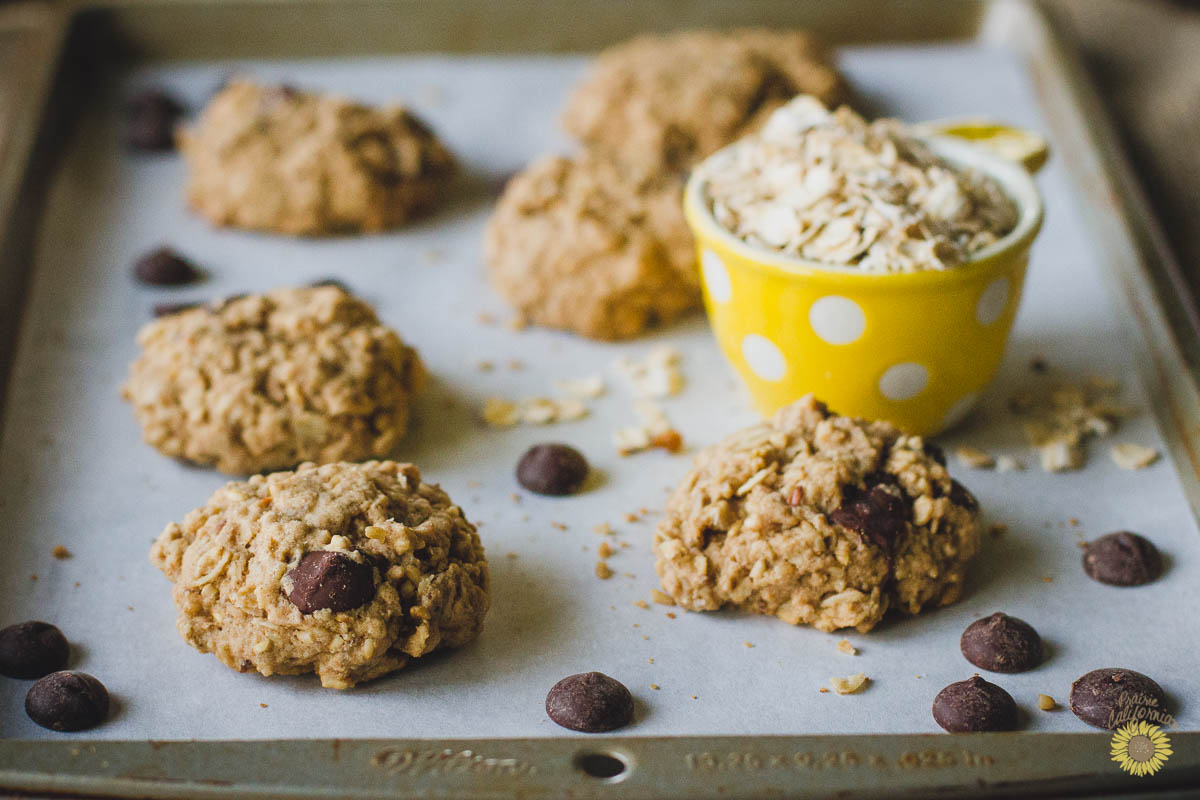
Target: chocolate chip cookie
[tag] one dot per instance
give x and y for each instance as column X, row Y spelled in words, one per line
column 662, row 103
column 282, row 160
column 345, row 570
column 581, row 245
column 818, row 519
column 267, row 381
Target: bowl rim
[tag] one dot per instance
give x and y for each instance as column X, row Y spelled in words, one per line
column 1016, row 182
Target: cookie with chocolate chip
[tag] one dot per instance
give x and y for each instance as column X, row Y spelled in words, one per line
column 346, row 570
column 817, row 519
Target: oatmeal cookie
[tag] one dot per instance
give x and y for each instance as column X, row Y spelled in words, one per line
column 345, row 570
column 266, row 381
column 662, row 103
column 578, row 244
column 817, row 519
column 281, row 160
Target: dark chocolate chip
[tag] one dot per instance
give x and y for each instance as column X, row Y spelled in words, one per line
column 935, row 451
column 32, row 649
column 151, row 121
column 67, row 701
column 167, row 309
column 555, row 469
column 879, row 513
column 1110, row 697
column 590, row 702
column 1001, row 643
column 1122, row 559
column 325, row 579
column 165, row 267
column 974, row 706
column 962, row 497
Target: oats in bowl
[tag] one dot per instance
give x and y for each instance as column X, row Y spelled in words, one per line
column 831, row 187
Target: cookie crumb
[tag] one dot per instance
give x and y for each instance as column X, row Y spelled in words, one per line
column 485, row 366
column 849, row 685
column 670, row 615
column 997, row 529
column 974, row 458
column 1046, row 703
column 558, row 526
column 517, row 323
column 1128, row 455
column 587, row 388
column 60, row 552
column 748, row 644
column 1047, row 579
column 823, row 690
column 631, row 517
column 603, row 571
column 604, row 551
column 655, row 686
column 844, row 646
column 484, row 318
column 500, row 413
column 262, row 705
column 641, row 604
column 510, row 555
column 662, row 598
column 603, row 528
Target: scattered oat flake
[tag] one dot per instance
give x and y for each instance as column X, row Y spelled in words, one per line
column 60, row 552
column 1046, row 702
column 587, row 388
column 500, row 413
column 662, row 598
column 603, row 571
column 1058, row 422
column 844, row 646
column 1128, row 455
column 1008, row 464
column 849, row 685
column 974, row 458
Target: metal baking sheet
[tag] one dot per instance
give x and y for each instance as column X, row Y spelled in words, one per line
column 74, row 472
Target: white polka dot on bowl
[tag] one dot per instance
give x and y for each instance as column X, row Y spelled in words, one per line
column 716, row 277
column 837, row 320
column 992, row 302
column 904, row 381
column 763, row 357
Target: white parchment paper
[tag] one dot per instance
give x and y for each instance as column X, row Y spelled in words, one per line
column 73, row 470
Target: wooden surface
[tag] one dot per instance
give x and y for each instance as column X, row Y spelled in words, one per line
column 1144, row 55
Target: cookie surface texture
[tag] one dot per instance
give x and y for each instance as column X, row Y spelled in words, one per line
column 281, row 160
column 580, row 245
column 267, row 381
column 662, row 103
column 238, row 561
column 819, row 520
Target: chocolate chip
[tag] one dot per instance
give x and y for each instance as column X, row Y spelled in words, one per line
column 962, row 497
column 165, row 267
column 1001, row 643
column 167, row 309
column 1110, row 697
column 1122, row 559
column 590, row 702
column 973, row 706
column 32, row 649
column 554, row 469
column 935, row 451
column 67, row 701
column 151, row 121
column 879, row 513
column 325, row 579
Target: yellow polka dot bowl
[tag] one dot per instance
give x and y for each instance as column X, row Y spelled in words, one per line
column 914, row 348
